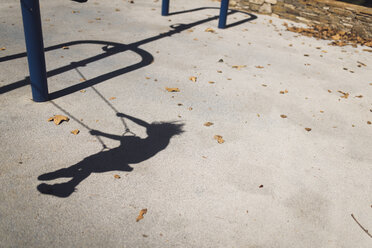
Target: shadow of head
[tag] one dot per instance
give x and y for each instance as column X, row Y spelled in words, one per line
column 165, row 129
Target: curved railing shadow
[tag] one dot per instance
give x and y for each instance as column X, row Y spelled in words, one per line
column 146, row 57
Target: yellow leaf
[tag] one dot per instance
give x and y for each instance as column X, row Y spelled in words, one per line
column 2, row 48
column 344, row 94
column 208, row 124
column 211, row 30
column 141, row 214
column 82, row 91
column 117, row 176
column 75, row 132
column 238, row 66
column 193, row 79
column 219, row 139
column 259, row 66
column 211, row 82
column 65, row 47
column 112, row 98
column 172, row 89
column 58, row 119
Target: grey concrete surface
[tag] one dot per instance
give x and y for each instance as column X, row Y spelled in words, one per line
column 198, row 193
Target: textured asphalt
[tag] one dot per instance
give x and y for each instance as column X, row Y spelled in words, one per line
column 293, row 113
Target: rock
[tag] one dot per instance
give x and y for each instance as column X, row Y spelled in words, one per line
column 271, row 1
column 257, row 1
column 265, row 8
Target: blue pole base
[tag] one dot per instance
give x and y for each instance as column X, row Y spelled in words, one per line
column 165, row 8
column 223, row 13
column 35, row 49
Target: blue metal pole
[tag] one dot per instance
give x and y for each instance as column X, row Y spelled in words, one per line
column 35, row 49
column 165, row 8
column 223, row 13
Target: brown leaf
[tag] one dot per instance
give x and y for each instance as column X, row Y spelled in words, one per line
column 58, row 119
column 141, row 214
column 65, row 47
column 308, row 129
column 172, row 89
column 261, row 186
column 360, row 96
column 283, row 92
column 2, row 49
column 211, row 30
column 82, row 91
column 344, row 94
column 208, row 124
column 219, row 71
column 75, row 132
column 192, row 79
column 330, row 91
column 259, row 66
column 367, row 50
column 117, row 176
column 238, row 66
column 219, row 139
column 369, row 123
column 211, row 82
column 264, row 85
column 112, row 98
column 283, row 116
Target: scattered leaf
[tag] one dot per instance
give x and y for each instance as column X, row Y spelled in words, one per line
column 144, row 235
column 117, row 176
column 329, row 91
column 321, row 111
column 283, row 92
column 75, row 132
column 261, row 186
column 360, row 96
column 361, row 63
column 57, row 119
column 211, row 30
column 141, row 214
column 190, row 108
column 344, row 94
column 75, row 11
column 283, row 116
column 258, row 115
column 2, row 49
column 306, row 55
column 192, row 79
column 98, row 18
column 259, row 67
column 238, row 66
column 172, row 89
column 82, row 79
column 82, row 91
column 308, row 129
column 147, row 77
column 211, row 82
column 369, row 122
column 219, row 139
column 264, row 85
column 112, row 98
column 219, row 71
column 65, row 47
column 220, row 61
column 208, row 124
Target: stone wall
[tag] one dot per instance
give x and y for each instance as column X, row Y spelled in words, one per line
column 337, row 15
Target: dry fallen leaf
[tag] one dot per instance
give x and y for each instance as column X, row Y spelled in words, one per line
column 261, row 186
column 283, row 92
column 330, row 91
column 82, row 79
column 344, row 94
column 208, row 124
column 219, row 71
column 192, row 79
column 219, row 139
column 259, row 66
column 141, row 214
column 369, row 123
column 117, row 176
column 147, row 77
column 264, row 85
column 238, row 66
column 360, row 96
column 308, row 129
column 65, row 47
column 98, row 18
column 211, row 82
column 58, row 119
column 112, row 98
column 283, row 116
column 172, row 89
column 211, row 30
column 75, row 132
column 2, row 49
column 82, row 91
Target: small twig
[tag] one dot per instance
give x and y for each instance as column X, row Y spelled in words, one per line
column 365, row 230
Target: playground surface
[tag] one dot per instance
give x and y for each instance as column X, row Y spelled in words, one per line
column 284, row 162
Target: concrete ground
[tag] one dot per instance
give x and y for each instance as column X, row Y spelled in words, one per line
column 272, row 183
